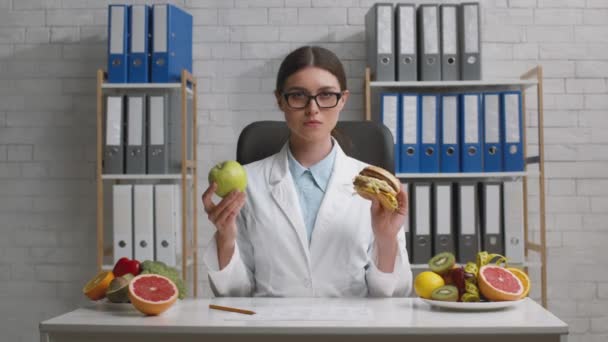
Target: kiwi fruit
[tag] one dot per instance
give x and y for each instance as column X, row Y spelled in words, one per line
column 118, row 291
column 442, row 262
column 446, row 293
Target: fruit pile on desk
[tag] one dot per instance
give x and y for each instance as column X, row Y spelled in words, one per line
column 151, row 286
column 489, row 278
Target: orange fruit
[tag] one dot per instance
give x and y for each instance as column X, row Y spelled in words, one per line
column 499, row 284
column 96, row 288
column 523, row 277
column 426, row 282
column 152, row 294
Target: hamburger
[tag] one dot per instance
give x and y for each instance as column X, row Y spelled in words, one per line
column 376, row 182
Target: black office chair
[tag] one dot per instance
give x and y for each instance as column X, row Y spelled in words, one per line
column 367, row 141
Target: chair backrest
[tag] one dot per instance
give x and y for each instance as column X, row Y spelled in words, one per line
column 368, row 141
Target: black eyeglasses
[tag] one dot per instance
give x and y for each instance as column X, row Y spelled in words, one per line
column 299, row 100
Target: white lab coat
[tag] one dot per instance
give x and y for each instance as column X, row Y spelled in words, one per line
column 273, row 257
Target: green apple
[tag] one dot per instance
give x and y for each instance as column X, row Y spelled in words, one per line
column 229, row 175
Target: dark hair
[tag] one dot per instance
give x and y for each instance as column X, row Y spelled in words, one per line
column 315, row 56
column 310, row 56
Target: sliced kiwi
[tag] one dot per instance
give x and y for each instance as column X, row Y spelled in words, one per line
column 118, row 291
column 442, row 262
column 446, row 293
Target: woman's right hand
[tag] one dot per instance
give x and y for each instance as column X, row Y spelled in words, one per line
column 223, row 216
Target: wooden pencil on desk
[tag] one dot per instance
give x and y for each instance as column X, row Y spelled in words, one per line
column 227, row 308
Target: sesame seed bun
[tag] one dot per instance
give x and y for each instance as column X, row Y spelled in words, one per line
column 377, row 183
column 380, row 173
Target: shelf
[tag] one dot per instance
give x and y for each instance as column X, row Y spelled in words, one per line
column 145, row 177
column 535, row 264
column 468, row 175
column 184, row 176
column 453, row 84
column 178, row 267
column 531, row 79
column 161, row 86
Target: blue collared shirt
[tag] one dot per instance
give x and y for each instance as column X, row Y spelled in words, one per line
column 311, row 185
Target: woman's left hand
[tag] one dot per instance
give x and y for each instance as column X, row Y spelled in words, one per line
column 386, row 224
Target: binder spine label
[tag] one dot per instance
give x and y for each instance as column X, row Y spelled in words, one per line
column 157, row 119
column 492, row 202
column 160, row 28
column 407, row 33
column 114, row 120
column 492, row 119
column 449, row 30
column 389, row 114
column 423, row 215
column 138, row 29
column 429, row 118
column 471, row 119
column 385, row 29
column 410, row 119
column 450, row 120
column 135, row 111
column 467, row 218
column 512, row 124
column 117, row 29
column 443, row 209
column 471, row 27
column 431, row 41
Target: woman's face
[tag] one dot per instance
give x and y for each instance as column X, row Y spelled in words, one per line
column 312, row 123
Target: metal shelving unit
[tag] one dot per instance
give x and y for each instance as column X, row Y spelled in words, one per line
column 187, row 88
column 531, row 78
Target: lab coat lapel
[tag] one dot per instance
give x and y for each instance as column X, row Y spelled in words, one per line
column 284, row 194
column 339, row 190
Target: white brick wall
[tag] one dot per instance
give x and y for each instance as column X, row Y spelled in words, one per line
column 51, row 49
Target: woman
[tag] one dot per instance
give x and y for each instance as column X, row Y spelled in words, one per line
column 298, row 230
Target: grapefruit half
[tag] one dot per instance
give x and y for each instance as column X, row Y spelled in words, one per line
column 499, row 284
column 523, row 277
column 152, row 294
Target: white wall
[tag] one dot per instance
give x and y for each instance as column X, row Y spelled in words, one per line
column 51, row 49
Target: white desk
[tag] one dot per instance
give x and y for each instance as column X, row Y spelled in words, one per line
column 306, row 319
